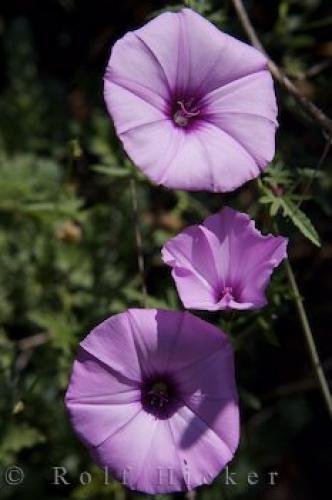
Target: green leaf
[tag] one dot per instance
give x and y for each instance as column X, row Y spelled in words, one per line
column 266, row 199
column 300, row 220
column 291, row 210
column 278, row 175
column 115, row 172
column 68, row 208
column 20, row 437
column 60, row 328
column 275, row 205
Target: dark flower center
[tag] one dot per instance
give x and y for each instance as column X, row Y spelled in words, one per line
column 159, row 396
column 184, row 111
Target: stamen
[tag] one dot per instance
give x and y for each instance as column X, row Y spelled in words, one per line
column 185, row 112
column 227, row 290
column 226, row 294
column 180, row 119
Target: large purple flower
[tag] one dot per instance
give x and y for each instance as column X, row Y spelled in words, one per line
column 225, row 263
column 195, row 108
column 153, row 396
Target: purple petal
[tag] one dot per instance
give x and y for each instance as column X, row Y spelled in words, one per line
column 86, row 386
column 226, row 263
column 97, row 394
column 144, row 468
column 194, row 271
column 221, row 415
column 209, row 390
column 106, row 399
column 155, row 333
column 227, row 164
column 180, row 63
column 196, row 341
column 161, row 38
column 253, row 256
column 162, row 338
column 131, row 111
column 134, row 67
column 112, row 343
column 263, row 260
column 245, row 105
column 210, row 376
column 213, row 57
column 202, row 451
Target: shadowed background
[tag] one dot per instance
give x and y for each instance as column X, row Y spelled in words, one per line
column 68, row 255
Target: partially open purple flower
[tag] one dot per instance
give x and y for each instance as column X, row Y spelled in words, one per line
column 195, row 108
column 153, row 396
column 225, row 263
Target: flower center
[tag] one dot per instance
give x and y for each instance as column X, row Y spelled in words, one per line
column 184, row 112
column 159, row 397
column 227, row 291
column 227, row 294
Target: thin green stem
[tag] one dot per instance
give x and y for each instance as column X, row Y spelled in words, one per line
column 320, row 162
column 312, row 110
column 326, row 124
column 316, row 364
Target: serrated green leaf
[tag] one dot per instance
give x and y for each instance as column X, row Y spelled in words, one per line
column 277, row 174
column 266, row 199
column 300, row 220
column 274, row 207
column 291, row 210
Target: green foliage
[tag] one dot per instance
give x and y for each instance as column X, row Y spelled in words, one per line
column 32, row 186
column 18, row 438
column 278, row 187
column 68, row 255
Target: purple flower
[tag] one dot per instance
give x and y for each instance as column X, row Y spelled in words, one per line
column 153, row 396
column 195, row 108
column 225, row 263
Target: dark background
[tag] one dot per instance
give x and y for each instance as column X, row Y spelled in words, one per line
column 68, row 257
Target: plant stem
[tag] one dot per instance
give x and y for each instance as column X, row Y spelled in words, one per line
column 316, row 364
column 314, row 111
column 321, row 160
column 139, row 240
column 326, row 124
column 191, row 495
